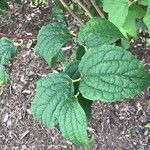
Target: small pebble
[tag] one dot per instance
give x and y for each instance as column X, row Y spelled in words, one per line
column 146, row 132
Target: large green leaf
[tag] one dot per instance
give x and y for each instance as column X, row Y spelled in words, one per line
column 55, row 102
column 110, row 73
column 97, row 32
column 7, row 50
column 135, row 12
column 52, row 90
column 72, row 71
column 50, row 40
column 147, row 18
column 117, row 11
column 73, row 122
column 4, row 77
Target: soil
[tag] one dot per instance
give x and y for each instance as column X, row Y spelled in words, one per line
column 119, row 126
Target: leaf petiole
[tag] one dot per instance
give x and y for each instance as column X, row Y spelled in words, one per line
column 77, row 80
column 77, row 94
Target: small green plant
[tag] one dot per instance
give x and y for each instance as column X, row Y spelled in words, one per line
column 102, row 70
column 7, row 51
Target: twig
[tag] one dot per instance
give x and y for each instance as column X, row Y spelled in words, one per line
column 97, row 8
column 14, row 36
column 84, row 8
column 71, row 12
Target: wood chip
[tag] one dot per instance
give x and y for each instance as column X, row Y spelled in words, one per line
column 24, row 134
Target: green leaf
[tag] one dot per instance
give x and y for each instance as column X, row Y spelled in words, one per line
column 87, row 106
column 117, row 11
column 97, row 32
column 3, row 6
column 7, row 51
column 52, row 90
column 80, row 52
column 55, row 102
column 125, row 43
column 50, row 40
column 60, row 57
column 140, row 24
column 135, row 12
column 58, row 14
column 72, row 70
column 147, row 18
column 4, row 77
column 73, row 122
column 110, row 73
column 143, row 2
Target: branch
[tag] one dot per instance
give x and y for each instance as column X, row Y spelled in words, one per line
column 97, row 8
column 84, row 8
column 14, row 36
column 71, row 12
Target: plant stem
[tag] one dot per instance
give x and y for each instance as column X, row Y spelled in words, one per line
column 14, row 36
column 71, row 12
column 84, row 8
column 131, row 3
column 77, row 80
column 77, row 94
column 97, row 8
